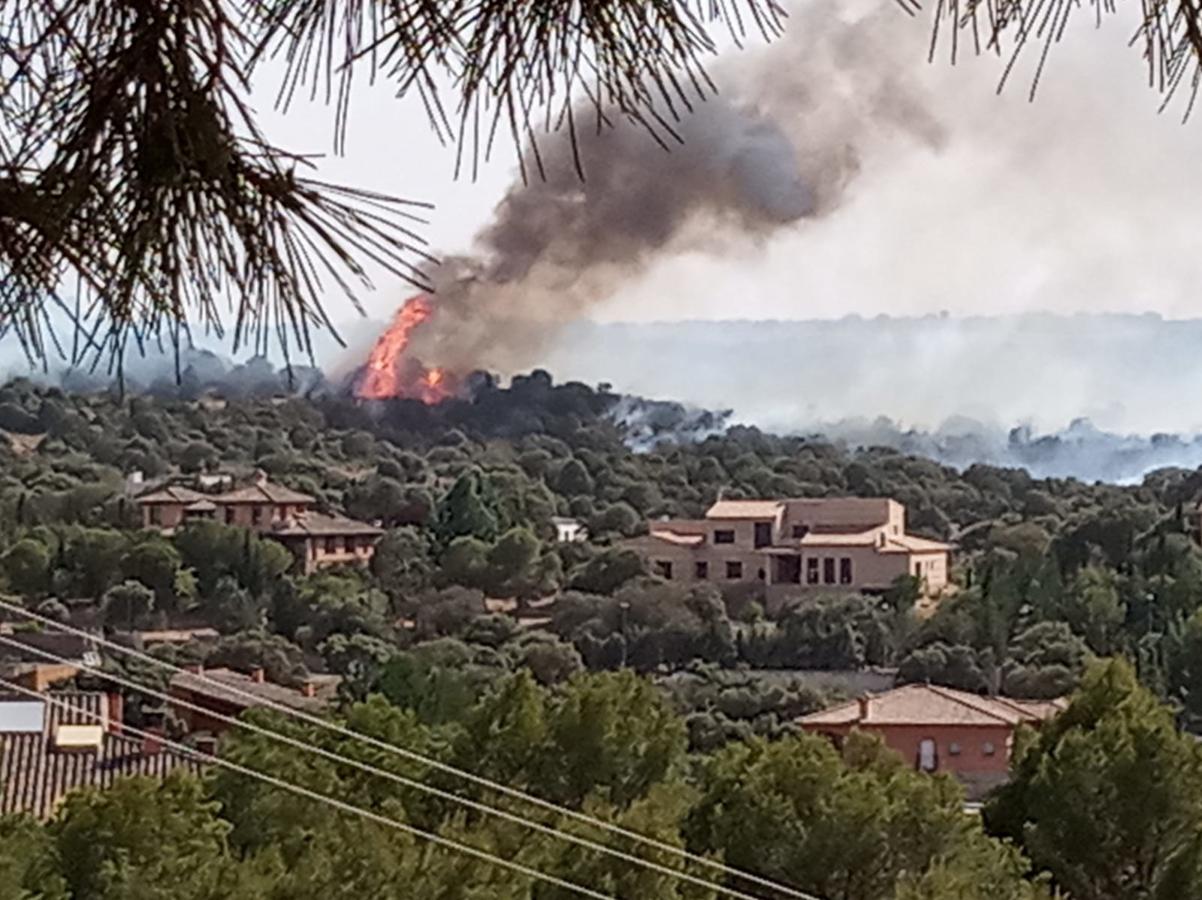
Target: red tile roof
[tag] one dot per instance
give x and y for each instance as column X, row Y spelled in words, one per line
column 928, row 704
column 35, row 776
column 319, row 525
column 264, row 492
column 171, row 494
column 216, row 684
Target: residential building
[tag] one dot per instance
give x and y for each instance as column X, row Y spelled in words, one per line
column 851, row 543
column 48, row 750
column 316, row 539
column 938, row 729
column 39, row 659
column 229, row 693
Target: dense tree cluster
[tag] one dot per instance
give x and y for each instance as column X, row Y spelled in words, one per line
column 566, row 669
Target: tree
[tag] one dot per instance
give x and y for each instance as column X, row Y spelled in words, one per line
column 27, row 567
column 464, row 513
column 402, row 561
column 608, row 571
column 156, row 564
column 852, row 827
column 160, row 839
column 1107, row 798
column 127, row 605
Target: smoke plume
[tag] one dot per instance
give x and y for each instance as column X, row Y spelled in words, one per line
column 781, row 145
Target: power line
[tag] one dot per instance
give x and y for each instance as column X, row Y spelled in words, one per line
column 432, row 763
column 302, row 791
column 384, row 773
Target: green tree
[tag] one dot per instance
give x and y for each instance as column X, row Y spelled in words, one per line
column 29, row 865
column 155, row 563
column 608, row 571
column 1108, row 796
column 403, row 562
column 463, row 512
column 95, row 556
column 27, row 567
column 854, row 826
column 127, row 605
column 142, row 838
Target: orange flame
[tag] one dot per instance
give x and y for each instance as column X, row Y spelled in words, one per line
column 388, row 374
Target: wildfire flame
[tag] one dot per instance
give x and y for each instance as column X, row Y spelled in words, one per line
column 388, row 373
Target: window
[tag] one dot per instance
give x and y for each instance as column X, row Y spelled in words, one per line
column 156, row 515
column 763, row 534
column 845, row 570
column 988, row 749
column 663, row 569
column 330, row 545
column 229, row 515
column 724, row 537
column 800, row 531
column 828, row 570
column 701, row 570
column 256, row 515
column 811, row 570
column 734, row 569
column 953, row 749
column 918, row 570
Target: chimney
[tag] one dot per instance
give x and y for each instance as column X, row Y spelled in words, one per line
column 309, row 689
column 152, row 742
column 257, row 675
column 864, row 700
column 115, row 713
column 260, row 477
column 195, row 668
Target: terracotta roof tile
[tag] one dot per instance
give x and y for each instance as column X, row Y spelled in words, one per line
column 35, row 776
column 745, row 509
column 264, row 492
column 320, row 525
column 203, row 686
column 172, row 494
column 925, row 704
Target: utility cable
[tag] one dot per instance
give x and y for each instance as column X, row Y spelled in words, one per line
column 383, row 773
column 334, row 802
column 438, row 765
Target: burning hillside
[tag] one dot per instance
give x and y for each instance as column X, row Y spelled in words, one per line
column 390, row 373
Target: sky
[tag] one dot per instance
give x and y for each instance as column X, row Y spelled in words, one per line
column 1075, row 202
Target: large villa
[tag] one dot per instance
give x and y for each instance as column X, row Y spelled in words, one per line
column 316, row 539
column 850, row 543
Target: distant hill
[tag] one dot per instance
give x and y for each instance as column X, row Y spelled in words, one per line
column 1128, row 374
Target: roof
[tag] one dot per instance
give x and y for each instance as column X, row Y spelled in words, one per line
column 171, row 494
column 928, row 704
column 35, row 776
column 178, row 635
column 908, row 543
column 745, row 509
column 680, row 540
column 311, row 524
column 264, row 492
column 53, row 644
column 205, row 505
column 214, row 684
column 840, row 539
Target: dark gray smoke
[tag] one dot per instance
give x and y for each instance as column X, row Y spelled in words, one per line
column 780, row 146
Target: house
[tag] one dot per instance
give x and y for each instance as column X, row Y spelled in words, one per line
column 318, row 540
column 278, row 512
column 939, row 729
column 37, row 660
column 229, row 693
column 70, row 741
column 853, row 543
column 569, row 531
